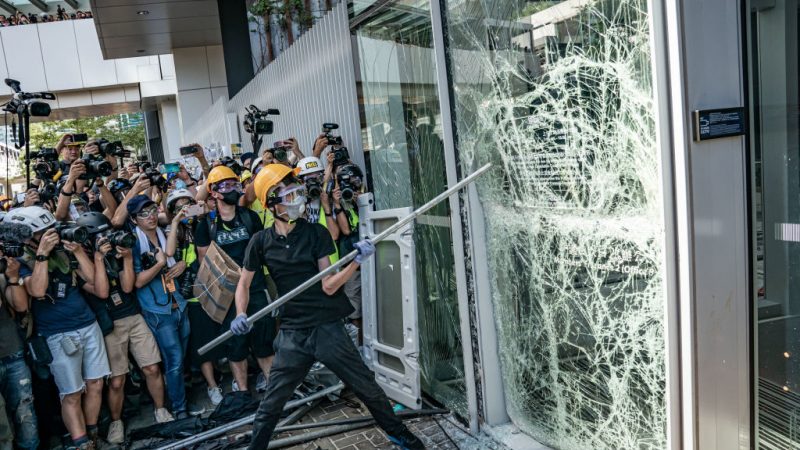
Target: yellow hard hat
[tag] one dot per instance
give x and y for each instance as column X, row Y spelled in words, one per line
column 246, row 175
column 220, row 173
column 267, row 178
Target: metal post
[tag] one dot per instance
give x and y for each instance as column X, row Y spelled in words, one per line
column 214, row 432
column 349, row 257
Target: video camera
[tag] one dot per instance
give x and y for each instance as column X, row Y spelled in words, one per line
column 256, row 122
column 26, row 102
column 10, row 250
column 335, row 141
column 114, row 148
column 46, row 167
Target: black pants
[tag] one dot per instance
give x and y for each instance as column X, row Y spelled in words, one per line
column 296, row 351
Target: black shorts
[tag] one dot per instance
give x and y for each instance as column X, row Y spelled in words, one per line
column 258, row 341
column 203, row 331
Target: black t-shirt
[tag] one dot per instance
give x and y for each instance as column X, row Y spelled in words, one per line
column 10, row 341
column 120, row 304
column 232, row 237
column 291, row 260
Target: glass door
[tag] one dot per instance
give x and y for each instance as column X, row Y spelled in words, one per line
column 775, row 207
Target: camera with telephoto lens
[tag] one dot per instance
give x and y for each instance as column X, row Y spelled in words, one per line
column 114, row 148
column 68, row 231
column 47, row 192
column 341, row 157
column 232, row 164
column 335, row 141
column 121, row 238
column 46, row 166
column 256, row 122
column 9, row 250
column 187, row 283
column 279, row 153
column 96, row 167
column 313, row 188
column 156, row 179
column 350, row 180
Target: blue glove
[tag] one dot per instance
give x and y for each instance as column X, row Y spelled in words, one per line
column 239, row 326
column 365, row 249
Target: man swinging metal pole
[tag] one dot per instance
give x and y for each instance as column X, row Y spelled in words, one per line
column 349, row 257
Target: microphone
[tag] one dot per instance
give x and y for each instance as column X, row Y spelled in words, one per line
column 14, row 232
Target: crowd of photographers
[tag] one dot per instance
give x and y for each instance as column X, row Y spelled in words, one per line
column 99, row 259
column 20, row 18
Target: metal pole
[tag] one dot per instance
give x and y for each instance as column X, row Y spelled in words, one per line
column 214, row 432
column 347, row 258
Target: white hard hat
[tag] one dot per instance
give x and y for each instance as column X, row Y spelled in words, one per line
column 256, row 162
column 36, row 217
column 177, row 194
column 310, row 165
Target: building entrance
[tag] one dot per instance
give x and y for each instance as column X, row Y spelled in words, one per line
column 775, row 207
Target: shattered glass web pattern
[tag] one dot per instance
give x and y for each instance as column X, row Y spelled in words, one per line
column 573, row 212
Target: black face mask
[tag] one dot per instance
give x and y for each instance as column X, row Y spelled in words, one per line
column 231, row 198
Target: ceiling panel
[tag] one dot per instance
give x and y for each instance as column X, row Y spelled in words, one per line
column 169, row 10
column 134, row 29
column 169, row 24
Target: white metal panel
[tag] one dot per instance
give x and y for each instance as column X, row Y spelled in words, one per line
column 191, row 68
column 24, row 57
column 216, row 66
column 113, row 95
column 60, row 55
column 192, row 105
column 94, row 70
column 401, row 386
column 713, row 71
column 128, row 70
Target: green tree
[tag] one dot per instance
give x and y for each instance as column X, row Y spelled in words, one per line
column 113, row 128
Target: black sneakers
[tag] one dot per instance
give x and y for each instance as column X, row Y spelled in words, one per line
column 407, row 441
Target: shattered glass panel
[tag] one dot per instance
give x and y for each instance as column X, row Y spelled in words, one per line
column 404, row 151
column 558, row 95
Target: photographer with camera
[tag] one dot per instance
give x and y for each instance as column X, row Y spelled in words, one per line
column 294, row 251
column 63, row 318
column 349, row 185
column 130, row 333
column 15, row 375
column 318, row 208
column 159, row 290
column 232, row 229
column 141, row 186
column 180, row 243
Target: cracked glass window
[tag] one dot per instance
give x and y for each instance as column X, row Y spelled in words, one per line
column 558, row 95
column 403, row 147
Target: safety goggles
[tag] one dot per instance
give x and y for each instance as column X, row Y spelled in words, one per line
column 289, row 194
column 147, row 212
column 225, row 186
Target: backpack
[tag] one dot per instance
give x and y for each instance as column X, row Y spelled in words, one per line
column 244, row 215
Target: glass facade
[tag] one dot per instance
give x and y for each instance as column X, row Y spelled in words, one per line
column 558, row 95
column 775, row 188
column 404, row 152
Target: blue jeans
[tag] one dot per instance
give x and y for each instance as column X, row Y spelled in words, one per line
column 15, row 385
column 172, row 335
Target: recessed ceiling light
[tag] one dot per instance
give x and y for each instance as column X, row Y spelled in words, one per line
column 141, row 50
column 143, row 12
